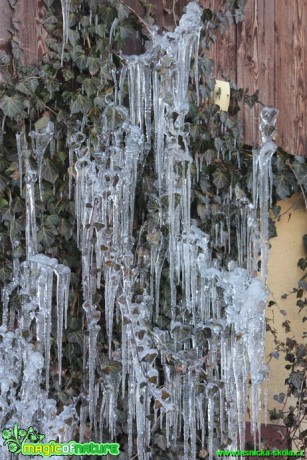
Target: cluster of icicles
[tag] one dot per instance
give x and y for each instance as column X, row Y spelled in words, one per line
column 203, row 390
column 24, row 367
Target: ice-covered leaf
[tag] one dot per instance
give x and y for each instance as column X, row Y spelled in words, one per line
column 111, row 367
column 90, row 85
column 148, row 355
column 280, row 397
column 28, row 86
column 71, row 351
column 67, row 74
column 76, row 337
column 220, row 179
column 161, row 441
column 94, row 65
column 49, row 171
column 11, row 105
column 46, row 235
column 4, row 58
column 296, row 379
column 80, row 104
column 283, row 183
column 108, row 13
column 274, row 354
column 301, row 172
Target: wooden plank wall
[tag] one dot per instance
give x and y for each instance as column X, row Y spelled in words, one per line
column 267, row 52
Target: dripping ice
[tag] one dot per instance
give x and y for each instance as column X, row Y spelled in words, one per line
column 104, row 194
column 105, row 191
column 20, row 361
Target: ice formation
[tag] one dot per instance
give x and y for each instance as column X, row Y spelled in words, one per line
column 228, row 306
column 25, row 367
column 216, row 341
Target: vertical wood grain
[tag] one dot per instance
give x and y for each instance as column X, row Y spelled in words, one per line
column 31, row 34
column 5, row 22
column 300, row 77
column 248, row 69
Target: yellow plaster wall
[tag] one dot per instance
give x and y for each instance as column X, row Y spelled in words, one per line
column 284, row 274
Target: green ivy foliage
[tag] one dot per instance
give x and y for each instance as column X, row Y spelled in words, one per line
column 76, row 92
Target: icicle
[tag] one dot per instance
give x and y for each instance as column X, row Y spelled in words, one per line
column 66, row 4
column 19, row 152
column 63, row 279
column 93, row 317
column 40, row 142
column 31, row 238
column 261, row 180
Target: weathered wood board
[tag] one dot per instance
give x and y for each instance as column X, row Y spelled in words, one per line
column 266, row 53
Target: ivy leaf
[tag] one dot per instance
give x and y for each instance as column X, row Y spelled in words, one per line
column 94, row 65
column 90, row 86
column 220, row 179
column 112, row 367
column 100, row 30
column 122, row 11
column 68, row 74
column 76, row 337
column 11, row 105
column 301, row 172
column 46, row 235
column 5, row 274
column 4, row 58
column 125, row 30
column 74, row 323
column 296, row 379
column 160, row 441
column 79, row 57
column 80, row 104
column 71, row 351
column 65, row 229
column 108, row 14
column 283, row 184
column 274, row 354
column 49, row 171
column 3, row 183
column 28, row 86
column 280, row 397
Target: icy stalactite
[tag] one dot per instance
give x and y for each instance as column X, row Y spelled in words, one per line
column 262, row 180
column 63, row 280
column 34, row 280
column 19, row 152
column 92, row 316
column 40, row 141
column 66, row 5
column 31, row 231
column 104, row 194
column 21, row 367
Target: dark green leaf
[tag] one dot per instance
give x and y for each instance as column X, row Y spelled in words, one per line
column 108, row 14
column 76, row 337
column 220, row 179
column 283, row 184
column 11, row 105
column 280, row 397
column 46, row 235
column 28, row 86
column 49, row 171
column 80, row 104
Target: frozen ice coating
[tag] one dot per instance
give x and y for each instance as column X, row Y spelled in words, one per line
column 40, row 141
column 23, row 365
column 262, row 180
column 176, row 380
column 66, row 4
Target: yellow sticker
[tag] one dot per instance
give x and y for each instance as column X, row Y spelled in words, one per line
column 221, row 94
